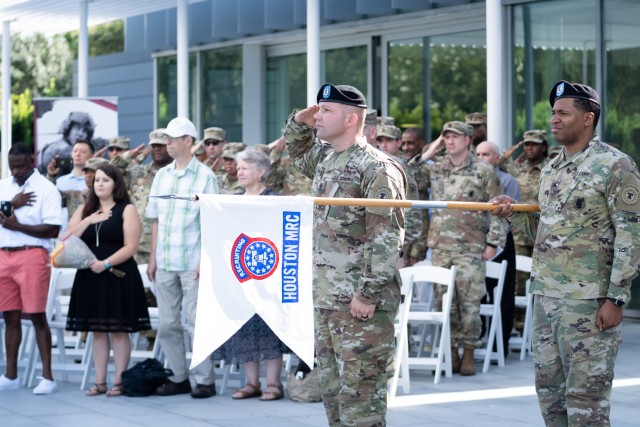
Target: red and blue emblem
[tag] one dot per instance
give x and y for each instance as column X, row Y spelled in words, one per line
column 253, row 258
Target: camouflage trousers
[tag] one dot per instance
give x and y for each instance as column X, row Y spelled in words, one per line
column 573, row 361
column 522, row 277
column 466, row 326
column 353, row 358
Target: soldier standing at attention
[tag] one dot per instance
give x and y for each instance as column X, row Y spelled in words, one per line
column 141, row 179
column 584, row 258
column 355, row 292
column 466, row 238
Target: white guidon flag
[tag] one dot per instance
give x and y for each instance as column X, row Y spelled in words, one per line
column 256, row 258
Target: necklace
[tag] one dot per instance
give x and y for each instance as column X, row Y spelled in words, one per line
column 98, row 227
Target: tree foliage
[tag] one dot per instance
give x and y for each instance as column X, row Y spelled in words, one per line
column 103, row 39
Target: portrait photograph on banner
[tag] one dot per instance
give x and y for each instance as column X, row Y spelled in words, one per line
column 256, row 257
column 60, row 122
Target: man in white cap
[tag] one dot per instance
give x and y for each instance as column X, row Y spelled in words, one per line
column 174, row 258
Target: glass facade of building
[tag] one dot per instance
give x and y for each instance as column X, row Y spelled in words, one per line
column 590, row 41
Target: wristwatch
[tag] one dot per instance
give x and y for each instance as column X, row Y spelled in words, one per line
column 617, row 302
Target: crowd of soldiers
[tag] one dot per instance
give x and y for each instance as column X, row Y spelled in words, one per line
column 428, row 176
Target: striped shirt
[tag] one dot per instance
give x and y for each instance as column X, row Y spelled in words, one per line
column 178, row 243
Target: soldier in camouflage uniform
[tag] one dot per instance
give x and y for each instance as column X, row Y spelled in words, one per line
column 462, row 238
column 371, row 126
column 355, row 292
column 527, row 174
column 228, row 183
column 584, row 259
column 412, row 143
column 141, row 176
column 416, row 220
column 283, row 176
column 478, row 122
column 214, row 141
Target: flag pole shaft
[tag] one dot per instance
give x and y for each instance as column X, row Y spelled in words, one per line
column 420, row 204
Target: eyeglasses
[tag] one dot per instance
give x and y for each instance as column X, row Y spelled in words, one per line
column 212, row 142
column 115, row 149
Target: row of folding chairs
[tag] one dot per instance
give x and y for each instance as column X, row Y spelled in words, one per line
column 72, row 352
column 438, row 358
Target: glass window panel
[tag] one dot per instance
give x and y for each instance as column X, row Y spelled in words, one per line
column 622, row 78
column 167, row 90
column 287, row 80
column 453, row 81
column 221, row 93
column 622, row 101
column 552, row 42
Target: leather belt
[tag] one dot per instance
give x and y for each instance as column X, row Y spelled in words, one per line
column 20, row 248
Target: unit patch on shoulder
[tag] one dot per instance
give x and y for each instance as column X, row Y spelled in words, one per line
column 629, row 197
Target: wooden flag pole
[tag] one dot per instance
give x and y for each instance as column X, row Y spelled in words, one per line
column 418, row 204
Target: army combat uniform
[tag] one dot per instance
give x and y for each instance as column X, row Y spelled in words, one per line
column 459, row 237
column 587, row 249
column 355, row 252
column 284, row 177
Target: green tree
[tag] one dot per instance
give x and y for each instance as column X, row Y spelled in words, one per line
column 22, row 117
column 103, row 39
column 42, row 65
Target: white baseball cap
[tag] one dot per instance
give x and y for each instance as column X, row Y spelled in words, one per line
column 181, row 126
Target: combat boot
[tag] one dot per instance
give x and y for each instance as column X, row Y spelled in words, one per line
column 467, row 367
column 455, row 360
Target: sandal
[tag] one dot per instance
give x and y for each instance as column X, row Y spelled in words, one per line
column 115, row 390
column 96, row 389
column 273, row 392
column 249, row 390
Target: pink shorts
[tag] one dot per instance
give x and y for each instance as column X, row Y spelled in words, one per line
column 24, row 280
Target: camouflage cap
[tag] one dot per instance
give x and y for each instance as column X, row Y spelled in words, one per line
column 535, row 135
column 389, row 131
column 94, row 162
column 476, row 119
column 370, row 118
column 554, row 151
column 121, row 142
column 217, row 134
column 157, row 136
column 460, row 128
column 385, row 120
column 231, row 149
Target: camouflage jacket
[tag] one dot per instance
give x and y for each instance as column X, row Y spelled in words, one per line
column 588, row 229
column 141, row 177
column 462, row 230
column 528, row 177
column 414, row 222
column 227, row 186
column 355, row 248
column 284, row 177
column 216, row 166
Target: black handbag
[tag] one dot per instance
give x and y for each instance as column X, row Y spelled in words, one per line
column 143, row 378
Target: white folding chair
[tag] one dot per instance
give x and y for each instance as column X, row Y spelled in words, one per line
column 401, row 372
column 440, row 358
column 491, row 312
column 67, row 355
column 523, row 264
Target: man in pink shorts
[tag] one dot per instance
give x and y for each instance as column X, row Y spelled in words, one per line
column 27, row 226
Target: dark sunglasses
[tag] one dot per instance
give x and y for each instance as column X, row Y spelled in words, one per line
column 212, row 142
column 115, row 149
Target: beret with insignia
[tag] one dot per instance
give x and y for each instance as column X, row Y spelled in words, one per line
column 342, row 94
column 564, row 89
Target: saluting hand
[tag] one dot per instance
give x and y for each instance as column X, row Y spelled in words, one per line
column 307, row 115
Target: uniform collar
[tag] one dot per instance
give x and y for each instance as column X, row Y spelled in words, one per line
column 561, row 160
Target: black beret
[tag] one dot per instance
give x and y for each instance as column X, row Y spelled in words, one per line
column 564, row 89
column 342, row 94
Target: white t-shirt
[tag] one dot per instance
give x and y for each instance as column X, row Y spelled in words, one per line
column 45, row 209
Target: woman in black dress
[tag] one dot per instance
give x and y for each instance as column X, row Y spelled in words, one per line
column 255, row 341
column 101, row 301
